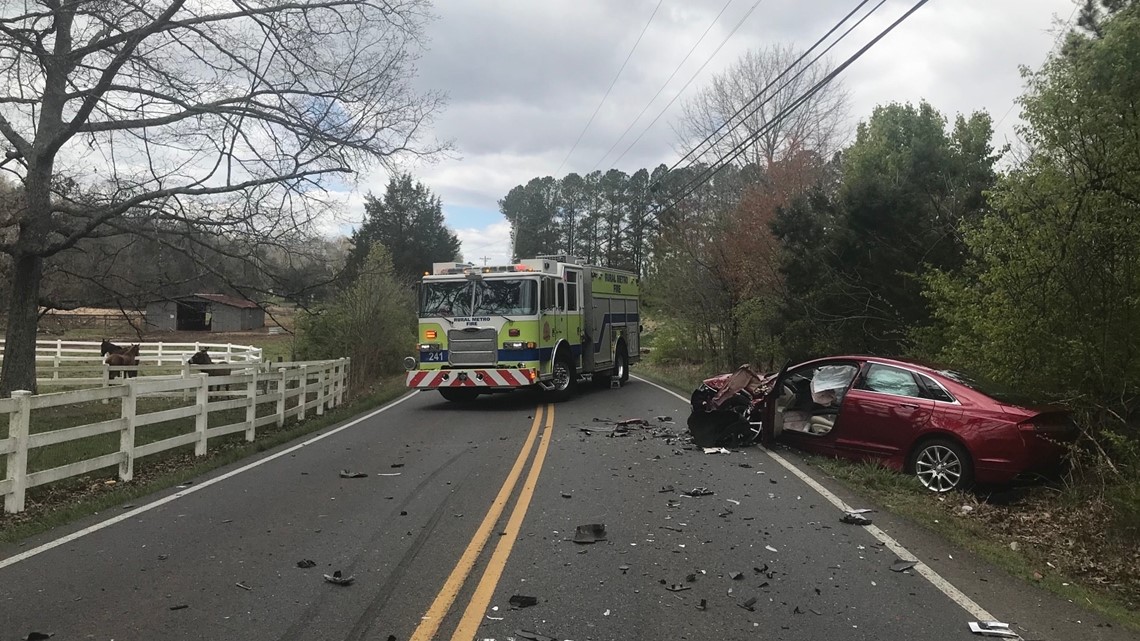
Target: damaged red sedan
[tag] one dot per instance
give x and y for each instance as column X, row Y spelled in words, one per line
column 945, row 428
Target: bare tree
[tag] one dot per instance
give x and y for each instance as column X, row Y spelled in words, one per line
column 773, row 74
column 225, row 116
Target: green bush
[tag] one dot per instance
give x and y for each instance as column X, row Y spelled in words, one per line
column 373, row 321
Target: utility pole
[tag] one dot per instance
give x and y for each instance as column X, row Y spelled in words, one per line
column 485, row 259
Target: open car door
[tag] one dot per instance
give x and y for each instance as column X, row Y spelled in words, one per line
column 771, row 426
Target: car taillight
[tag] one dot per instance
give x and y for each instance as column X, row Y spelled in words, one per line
column 1048, row 427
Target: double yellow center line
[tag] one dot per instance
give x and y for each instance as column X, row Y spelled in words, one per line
column 481, row 598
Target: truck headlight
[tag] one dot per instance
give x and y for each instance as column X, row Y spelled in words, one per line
column 518, row 345
column 429, row 347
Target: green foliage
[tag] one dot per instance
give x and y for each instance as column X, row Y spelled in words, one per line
column 373, row 322
column 408, row 221
column 1050, row 297
column 853, row 259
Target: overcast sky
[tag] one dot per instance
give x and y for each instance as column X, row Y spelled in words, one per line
column 523, row 77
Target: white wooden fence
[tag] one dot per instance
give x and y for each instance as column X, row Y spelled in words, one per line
column 313, row 386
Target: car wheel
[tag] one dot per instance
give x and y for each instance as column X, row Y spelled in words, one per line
column 942, row 465
column 564, row 377
column 458, row 395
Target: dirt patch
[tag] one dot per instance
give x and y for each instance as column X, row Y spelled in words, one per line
column 1060, row 536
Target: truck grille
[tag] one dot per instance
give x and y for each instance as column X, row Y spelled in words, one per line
column 472, row 346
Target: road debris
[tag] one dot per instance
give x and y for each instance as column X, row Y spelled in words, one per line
column 770, row 548
column 520, row 601
column 717, row 450
column 337, row 578
column 533, row 636
column 902, row 566
column 698, row 491
column 993, row 629
column 633, row 421
column 390, row 474
column 736, row 576
column 346, row 474
column 38, row 636
column 665, row 489
column 566, row 495
column 703, row 605
column 180, row 606
column 243, row 586
column 397, row 465
column 854, row 518
column 677, row 587
column 306, row 563
column 664, row 419
column 623, row 568
column 749, row 604
column 590, row 533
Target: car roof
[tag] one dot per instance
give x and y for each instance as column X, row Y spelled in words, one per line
column 926, row 368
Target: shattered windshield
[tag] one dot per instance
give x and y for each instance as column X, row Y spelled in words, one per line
column 491, row 297
column 446, row 299
column 506, row 297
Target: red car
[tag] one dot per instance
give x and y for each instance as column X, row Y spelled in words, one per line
column 935, row 423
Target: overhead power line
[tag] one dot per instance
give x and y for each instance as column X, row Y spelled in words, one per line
column 690, row 81
column 663, row 85
column 611, row 87
column 737, row 150
column 765, row 90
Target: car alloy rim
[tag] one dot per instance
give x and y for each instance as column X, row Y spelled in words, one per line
column 938, row 468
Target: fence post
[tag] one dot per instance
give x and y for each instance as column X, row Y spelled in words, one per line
column 251, row 410
column 160, row 353
column 57, row 359
column 281, row 385
column 304, row 385
column 127, row 434
column 322, row 379
column 185, row 376
column 106, row 379
column 345, row 374
column 18, row 423
column 202, row 420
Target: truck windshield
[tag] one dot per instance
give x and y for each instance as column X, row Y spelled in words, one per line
column 479, row 298
column 446, row 299
column 506, row 297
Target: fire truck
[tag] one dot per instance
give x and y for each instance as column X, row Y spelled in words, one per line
column 548, row 322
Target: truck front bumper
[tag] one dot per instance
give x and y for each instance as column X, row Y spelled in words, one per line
column 489, row 378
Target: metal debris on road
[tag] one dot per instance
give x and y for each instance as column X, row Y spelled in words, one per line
column 337, row 578
column 346, row 474
column 854, row 518
column 677, row 587
column 397, row 465
column 748, row 465
column 391, row 474
column 623, row 568
column 993, row 629
column 902, row 566
column 717, row 450
column 243, row 586
column 566, row 495
column 306, row 563
column 749, row 604
column 590, row 533
column 664, row 419
column 633, row 421
column 736, row 576
column 698, row 491
column 180, row 606
column 520, row 601
column 770, row 548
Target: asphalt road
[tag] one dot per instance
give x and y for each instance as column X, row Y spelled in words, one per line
column 466, row 506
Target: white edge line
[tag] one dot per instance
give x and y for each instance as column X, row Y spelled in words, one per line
column 12, row 560
column 944, row 586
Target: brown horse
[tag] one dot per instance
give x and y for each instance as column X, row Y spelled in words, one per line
column 107, row 347
column 129, row 356
column 202, row 357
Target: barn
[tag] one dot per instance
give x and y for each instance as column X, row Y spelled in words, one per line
column 204, row 313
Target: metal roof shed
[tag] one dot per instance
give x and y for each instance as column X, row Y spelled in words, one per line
column 205, row 313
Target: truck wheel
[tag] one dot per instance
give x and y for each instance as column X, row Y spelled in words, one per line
column 565, row 377
column 621, row 364
column 458, row 395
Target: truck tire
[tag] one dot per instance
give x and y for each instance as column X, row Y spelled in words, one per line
column 458, row 394
column 565, row 377
column 621, row 363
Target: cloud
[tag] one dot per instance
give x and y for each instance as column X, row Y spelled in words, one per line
column 524, row 77
column 492, row 243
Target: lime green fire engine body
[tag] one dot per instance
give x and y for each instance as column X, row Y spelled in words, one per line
column 545, row 322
